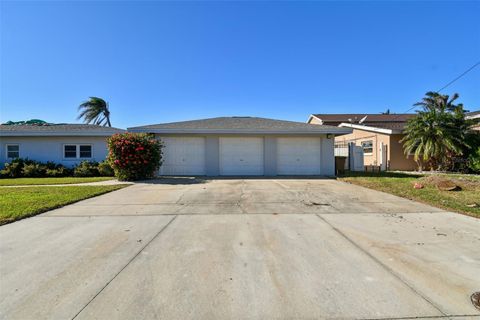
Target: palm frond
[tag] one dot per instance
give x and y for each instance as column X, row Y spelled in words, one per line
column 95, row 111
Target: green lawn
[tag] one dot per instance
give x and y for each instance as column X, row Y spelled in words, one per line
column 19, row 203
column 62, row 180
column 402, row 185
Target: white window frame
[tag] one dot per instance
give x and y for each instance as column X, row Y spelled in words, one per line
column 363, row 148
column 6, row 150
column 82, row 145
column 77, row 151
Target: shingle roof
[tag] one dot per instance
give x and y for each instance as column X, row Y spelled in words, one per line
column 385, row 121
column 63, row 129
column 371, row 117
column 239, row 125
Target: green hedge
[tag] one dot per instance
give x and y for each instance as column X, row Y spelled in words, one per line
column 26, row 168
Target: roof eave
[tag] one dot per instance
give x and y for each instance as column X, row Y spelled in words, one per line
column 56, row 134
column 368, row 128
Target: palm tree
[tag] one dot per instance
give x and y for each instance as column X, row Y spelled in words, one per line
column 438, row 132
column 386, row 112
column 95, row 111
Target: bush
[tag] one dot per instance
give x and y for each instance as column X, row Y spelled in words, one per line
column 18, row 168
column 86, row 169
column 52, row 165
column 13, row 169
column 134, row 156
column 105, row 170
column 474, row 161
column 59, row 171
column 34, row 169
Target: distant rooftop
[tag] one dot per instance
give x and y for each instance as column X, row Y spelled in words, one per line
column 60, row 129
column 473, row 114
column 386, row 121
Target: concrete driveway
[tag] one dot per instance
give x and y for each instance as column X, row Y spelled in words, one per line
column 241, row 249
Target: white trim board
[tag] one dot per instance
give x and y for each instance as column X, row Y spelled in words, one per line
column 368, row 128
column 314, row 116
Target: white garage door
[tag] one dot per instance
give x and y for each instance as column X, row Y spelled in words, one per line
column 298, row 156
column 183, row 156
column 241, row 156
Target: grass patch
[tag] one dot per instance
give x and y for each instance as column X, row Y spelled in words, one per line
column 48, row 181
column 401, row 184
column 19, row 203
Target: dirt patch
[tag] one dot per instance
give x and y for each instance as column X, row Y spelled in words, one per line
column 450, row 184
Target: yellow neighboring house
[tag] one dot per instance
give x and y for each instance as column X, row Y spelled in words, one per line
column 474, row 115
column 379, row 136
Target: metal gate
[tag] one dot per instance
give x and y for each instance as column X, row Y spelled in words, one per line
column 353, row 153
column 355, row 157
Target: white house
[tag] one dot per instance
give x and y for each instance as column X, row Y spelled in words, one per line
column 67, row 144
column 228, row 146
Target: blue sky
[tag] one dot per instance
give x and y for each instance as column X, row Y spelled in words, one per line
column 167, row 61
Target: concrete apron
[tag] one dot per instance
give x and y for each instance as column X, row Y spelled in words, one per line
column 240, row 249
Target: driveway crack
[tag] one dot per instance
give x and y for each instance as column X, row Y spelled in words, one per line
column 125, row 266
column 387, row 268
column 241, row 198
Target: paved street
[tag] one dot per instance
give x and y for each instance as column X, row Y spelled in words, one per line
column 241, row 249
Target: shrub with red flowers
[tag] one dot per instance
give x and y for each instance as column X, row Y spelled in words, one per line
column 134, row 156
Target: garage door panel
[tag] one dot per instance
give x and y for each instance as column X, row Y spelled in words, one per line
column 241, row 156
column 183, row 156
column 298, row 156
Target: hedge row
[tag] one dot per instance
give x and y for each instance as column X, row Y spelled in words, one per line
column 19, row 168
column 131, row 156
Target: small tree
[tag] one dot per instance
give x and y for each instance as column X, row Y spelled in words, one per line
column 134, row 156
column 438, row 132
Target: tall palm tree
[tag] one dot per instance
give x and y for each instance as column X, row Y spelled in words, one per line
column 95, row 111
column 438, row 131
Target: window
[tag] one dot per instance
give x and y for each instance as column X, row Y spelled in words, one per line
column 77, row 151
column 70, row 151
column 367, row 147
column 13, row 151
column 85, row 151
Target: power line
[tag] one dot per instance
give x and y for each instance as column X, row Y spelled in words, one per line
column 448, row 84
column 464, row 73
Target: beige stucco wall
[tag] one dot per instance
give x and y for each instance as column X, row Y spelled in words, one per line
column 359, row 136
column 396, row 159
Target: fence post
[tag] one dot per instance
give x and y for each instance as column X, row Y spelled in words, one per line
column 350, row 156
